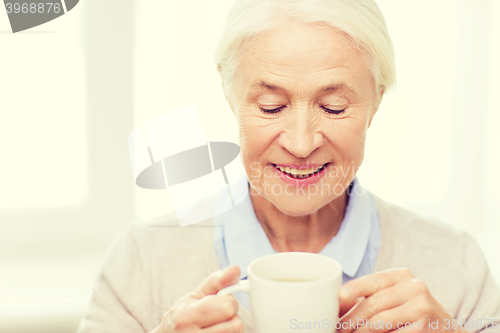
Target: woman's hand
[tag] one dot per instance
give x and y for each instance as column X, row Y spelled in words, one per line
column 388, row 300
column 203, row 311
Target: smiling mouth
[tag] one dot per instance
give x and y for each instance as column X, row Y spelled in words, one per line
column 300, row 173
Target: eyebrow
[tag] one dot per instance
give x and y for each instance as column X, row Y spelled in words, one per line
column 331, row 87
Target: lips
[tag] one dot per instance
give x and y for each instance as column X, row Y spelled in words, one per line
column 296, row 172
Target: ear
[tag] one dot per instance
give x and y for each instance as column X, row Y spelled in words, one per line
column 225, row 89
column 380, row 94
column 227, row 94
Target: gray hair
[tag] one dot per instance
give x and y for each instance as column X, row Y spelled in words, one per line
column 361, row 20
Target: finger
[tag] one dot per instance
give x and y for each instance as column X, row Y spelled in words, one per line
column 402, row 318
column 372, row 305
column 212, row 309
column 216, row 281
column 347, row 306
column 370, row 284
column 234, row 325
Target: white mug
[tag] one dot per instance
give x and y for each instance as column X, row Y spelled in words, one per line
column 292, row 292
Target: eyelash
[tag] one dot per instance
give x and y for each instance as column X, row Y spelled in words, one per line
column 273, row 111
column 330, row 111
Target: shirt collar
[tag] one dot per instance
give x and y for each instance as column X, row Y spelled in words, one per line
column 245, row 240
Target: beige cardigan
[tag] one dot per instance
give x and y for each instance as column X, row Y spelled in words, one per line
column 151, row 265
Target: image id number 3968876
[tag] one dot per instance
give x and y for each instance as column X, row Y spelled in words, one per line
column 471, row 323
column 33, row 8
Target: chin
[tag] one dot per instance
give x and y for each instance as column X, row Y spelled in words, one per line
column 298, row 205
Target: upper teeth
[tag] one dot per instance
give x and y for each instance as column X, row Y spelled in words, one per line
column 301, row 172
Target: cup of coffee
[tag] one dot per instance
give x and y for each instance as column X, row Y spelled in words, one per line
column 292, row 291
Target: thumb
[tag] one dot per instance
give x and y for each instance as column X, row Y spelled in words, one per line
column 216, row 281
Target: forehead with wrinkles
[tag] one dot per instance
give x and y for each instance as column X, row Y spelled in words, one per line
column 302, row 60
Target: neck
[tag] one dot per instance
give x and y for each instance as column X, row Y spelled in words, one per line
column 306, row 233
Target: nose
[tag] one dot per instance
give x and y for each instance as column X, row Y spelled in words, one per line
column 301, row 135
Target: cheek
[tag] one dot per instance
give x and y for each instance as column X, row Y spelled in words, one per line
column 347, row 137
column 256, row 135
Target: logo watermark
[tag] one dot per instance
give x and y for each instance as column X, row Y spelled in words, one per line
column 328, row 324
column 259, row 176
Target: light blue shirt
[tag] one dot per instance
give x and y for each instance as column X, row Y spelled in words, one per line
column 239, row 238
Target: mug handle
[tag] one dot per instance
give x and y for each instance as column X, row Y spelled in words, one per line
column 242, row 285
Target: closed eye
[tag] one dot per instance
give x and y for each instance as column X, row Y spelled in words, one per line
column 333, row 111
column 271, row 111
column 278, row 109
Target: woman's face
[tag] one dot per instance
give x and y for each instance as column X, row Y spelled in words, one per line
column 303, row 99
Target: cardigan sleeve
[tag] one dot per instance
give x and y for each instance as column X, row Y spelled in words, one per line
column 482, row 297
column 113, row 305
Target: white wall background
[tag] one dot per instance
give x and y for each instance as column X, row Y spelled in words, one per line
column 72, row 89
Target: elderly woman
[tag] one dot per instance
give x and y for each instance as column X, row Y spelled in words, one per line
column 304, row 79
